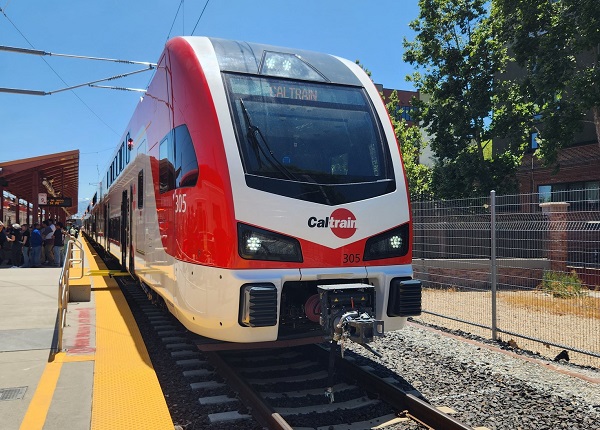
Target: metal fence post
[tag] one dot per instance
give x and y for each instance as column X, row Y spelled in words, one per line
column 471, row 248
column 493, row 262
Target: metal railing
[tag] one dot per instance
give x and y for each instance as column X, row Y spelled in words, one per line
column 74, row 255
column 510, row 267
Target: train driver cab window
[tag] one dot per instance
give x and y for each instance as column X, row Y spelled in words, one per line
column 178, row 164
column 165, row 164
column 186, row 164
column 309, row 140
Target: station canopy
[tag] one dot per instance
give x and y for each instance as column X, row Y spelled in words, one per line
column 56, row 175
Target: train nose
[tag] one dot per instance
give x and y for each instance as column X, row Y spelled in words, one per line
column 312, row 308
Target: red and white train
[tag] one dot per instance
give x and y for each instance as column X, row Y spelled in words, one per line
column 260, row 192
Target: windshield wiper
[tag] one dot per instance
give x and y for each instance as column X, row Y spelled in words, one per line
column 253, row 131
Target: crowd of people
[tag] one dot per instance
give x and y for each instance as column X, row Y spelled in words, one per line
column 38, row 245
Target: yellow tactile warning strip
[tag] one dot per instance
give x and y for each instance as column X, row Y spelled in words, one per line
column 127, row 394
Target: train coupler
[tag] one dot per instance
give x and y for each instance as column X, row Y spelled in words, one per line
column 359, row 328
column 347, row 312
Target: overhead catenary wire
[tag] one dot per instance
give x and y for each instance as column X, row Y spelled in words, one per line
column 170, row 30
column 174, row 19
column 81, row 57
column 57, row 74
column 181, row 4
column 108, row 87
column 89, row 84
column 150, row 66
column 200, row 17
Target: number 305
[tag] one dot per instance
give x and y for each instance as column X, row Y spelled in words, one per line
column 180, row 203
column 351, row 258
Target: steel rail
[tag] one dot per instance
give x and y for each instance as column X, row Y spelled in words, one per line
column 413, row 407
column 258, row 408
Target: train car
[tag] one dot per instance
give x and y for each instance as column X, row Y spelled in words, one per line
column 259, row 191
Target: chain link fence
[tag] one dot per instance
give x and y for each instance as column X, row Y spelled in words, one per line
column 513, row 269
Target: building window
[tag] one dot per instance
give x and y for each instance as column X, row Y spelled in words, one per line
column 406, row 112
column 534, row 143
column 545, row 192
column 579, row 195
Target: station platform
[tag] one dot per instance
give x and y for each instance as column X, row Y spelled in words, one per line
column 103, row 377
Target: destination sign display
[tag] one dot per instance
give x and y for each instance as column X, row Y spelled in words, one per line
column 294, row 90
column 65, row 202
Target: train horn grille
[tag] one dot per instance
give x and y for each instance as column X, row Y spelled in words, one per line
column 258, row 305
column 405, row 298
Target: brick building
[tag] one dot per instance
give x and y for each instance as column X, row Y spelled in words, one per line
column 577, row 175
column 404, row 101
column 406, row 108
column 576, row 180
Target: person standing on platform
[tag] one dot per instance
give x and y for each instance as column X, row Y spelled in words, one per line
column 25, row 235
column 58, row 245
column 48, row 236
column 68, row 237
column 36, row 246
column 8, row 245
column 17, row 246
column 3, row 240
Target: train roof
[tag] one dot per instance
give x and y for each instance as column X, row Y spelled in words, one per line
column 269, row 60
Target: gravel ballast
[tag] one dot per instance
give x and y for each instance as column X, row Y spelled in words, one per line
column 490, row 387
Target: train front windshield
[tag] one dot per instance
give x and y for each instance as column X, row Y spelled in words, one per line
column 311, row 141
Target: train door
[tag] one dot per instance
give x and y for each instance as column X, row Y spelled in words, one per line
column 130, row 231
column 124, row 234
column 106, row 227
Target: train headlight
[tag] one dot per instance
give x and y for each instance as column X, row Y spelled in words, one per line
column 396, row 241
column 392, row 243
column 253, row 244
column 289, row 66
column 258, row 244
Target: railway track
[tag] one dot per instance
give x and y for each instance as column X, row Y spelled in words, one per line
column 285, row 388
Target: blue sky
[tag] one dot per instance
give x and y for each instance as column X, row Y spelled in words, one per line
column 92, row 120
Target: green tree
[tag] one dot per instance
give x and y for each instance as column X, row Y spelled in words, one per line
column 557, row 44
column 457, row 58
column 411, row 143
column 367, row 71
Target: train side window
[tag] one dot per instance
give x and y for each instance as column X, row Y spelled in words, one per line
column 140, row 186
column 114, row 229
column 165, row 164
column 186, row 163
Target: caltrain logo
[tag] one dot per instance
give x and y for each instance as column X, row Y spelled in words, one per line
column 342, row 223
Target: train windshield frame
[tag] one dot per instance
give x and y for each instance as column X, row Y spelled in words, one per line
column 317, row 142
